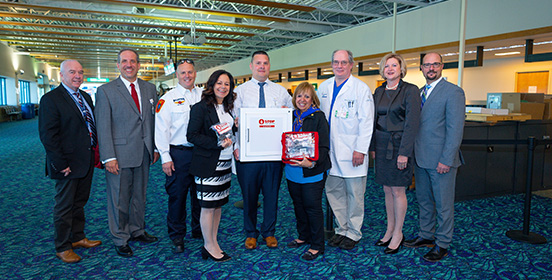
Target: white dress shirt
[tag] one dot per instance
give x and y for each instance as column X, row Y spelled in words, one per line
column 172, row 117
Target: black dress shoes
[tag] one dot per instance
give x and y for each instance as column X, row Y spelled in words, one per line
column 145, row 238
column 390, row 251
column 419, row 242
column 295, row 244
column 311, row 256
column 348, row 243
column 124, row 251
column 178, row 246
column 206, row 255
column 336, row 240
column 436, row 254
column 383, row 243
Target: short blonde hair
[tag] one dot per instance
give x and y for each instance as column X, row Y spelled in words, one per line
column 398, row 57
column 306, row 87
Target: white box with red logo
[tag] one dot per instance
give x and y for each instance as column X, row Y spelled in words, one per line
column 261, row 133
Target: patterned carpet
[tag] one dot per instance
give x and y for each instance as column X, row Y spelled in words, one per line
column 480, row 248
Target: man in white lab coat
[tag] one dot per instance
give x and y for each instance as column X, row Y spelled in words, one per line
column 349, row 107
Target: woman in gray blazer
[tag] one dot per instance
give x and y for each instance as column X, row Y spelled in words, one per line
column 397, row 117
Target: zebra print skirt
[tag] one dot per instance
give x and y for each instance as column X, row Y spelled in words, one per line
column 212, row 192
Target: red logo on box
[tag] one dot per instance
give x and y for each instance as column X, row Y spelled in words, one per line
column 266, row 123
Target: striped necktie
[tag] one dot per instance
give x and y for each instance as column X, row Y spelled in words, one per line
column 424, row 94
column 88, row 118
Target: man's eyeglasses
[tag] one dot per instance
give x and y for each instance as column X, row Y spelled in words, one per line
column 434, row 64
column 185, row 60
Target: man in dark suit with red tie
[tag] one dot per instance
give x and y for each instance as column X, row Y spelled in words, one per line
column 67, row 131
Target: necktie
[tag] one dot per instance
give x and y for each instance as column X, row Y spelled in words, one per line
column 135, row 96
column 424, row 94
column 88, row 118
column 262, row 103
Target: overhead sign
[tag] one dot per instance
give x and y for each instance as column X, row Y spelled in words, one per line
column 97, row 80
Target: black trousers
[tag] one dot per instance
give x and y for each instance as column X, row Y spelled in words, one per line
column 307, row 202
column 71, row 196
column 178, row 186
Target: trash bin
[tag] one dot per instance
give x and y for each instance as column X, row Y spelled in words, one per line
column 27, row 111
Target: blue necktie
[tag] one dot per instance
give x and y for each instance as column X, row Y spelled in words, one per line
column 88, row 119
column 262, row 95
column 424, row 94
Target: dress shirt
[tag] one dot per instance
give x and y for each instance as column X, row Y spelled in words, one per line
column 172, row 117
column 276, row 96
column 127, row 85
column 70, row 91
column 432, row 86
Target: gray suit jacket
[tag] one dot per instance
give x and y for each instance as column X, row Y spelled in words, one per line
column 441, row 127
column 122, row 130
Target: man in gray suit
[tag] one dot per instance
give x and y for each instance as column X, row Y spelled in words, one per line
column 437, row 155
column 125, row 123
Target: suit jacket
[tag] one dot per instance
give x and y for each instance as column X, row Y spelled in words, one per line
column 64, row 134
column 206, row 149
column 317, row 122
column 122, row 130
column 441, row 127
column 403, row 116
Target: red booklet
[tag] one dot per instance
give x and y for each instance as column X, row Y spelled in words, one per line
column 295, row 145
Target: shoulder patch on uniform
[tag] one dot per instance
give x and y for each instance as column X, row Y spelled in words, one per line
column 159, row 105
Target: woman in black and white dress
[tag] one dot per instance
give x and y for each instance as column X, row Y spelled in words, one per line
column 211, row 159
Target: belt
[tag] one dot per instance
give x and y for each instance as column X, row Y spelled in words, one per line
column 181, row 147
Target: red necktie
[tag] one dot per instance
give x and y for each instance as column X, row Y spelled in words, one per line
column 135, row 96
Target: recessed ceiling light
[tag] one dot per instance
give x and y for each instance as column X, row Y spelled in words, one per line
column 507, row 53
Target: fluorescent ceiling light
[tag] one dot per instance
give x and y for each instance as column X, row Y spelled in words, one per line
column 507, row 53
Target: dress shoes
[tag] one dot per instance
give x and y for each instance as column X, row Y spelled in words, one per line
column 436, row 254
column 419, row 242
column 335, row 240
column 295, row 244
column 68, row 256
column 178, row 246
column 383, row 243
column 250, row 243
column 145, row 238
column 390, row 251
column 311, row 256
column 271, row 242
column 85, row 243
column 348, row 244
column 206, row 255
column 124, row 251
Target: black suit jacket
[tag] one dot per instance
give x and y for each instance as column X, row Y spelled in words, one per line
column 403, row 116
column 64, row 133
column 317, row 122
column 206, row 149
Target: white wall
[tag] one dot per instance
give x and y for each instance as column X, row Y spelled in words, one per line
column 436, row 24
column 496, row 75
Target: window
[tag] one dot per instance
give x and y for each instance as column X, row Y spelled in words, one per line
column 25, row 92
column 3, row 94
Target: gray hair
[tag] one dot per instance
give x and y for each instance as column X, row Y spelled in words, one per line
column 349, row 53
column 63, row 64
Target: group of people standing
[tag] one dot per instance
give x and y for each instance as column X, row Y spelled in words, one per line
column 402, row 127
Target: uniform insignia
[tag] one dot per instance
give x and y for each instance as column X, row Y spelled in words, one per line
column 159, row 105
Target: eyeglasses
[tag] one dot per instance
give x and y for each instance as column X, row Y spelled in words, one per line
column 185, row 60
column 342, row 63
column 434, row 64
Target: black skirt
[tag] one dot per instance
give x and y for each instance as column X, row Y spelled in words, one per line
column 387, row 173
column 212, row 192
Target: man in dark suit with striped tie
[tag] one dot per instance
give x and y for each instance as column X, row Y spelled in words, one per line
column 68, row 132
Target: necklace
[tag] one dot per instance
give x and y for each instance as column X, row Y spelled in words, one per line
column 393, row 87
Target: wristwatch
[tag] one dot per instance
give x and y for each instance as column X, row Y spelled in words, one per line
column 313, row 164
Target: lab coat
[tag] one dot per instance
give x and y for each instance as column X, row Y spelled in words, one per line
column 351, row 126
